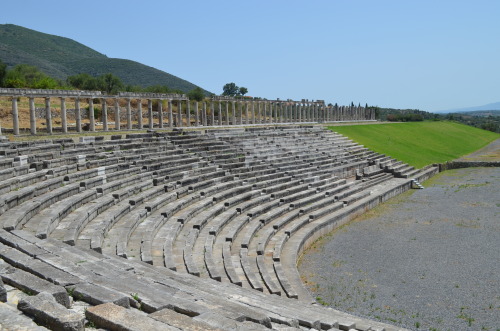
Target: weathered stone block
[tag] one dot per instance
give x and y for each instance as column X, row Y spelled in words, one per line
column 46, row 311
column 3, row 292
column 113, row 317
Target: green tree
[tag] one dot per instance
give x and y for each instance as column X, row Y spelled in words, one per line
column 47, row 83
column 230, row 89
column 83, row 82
column 110, row 84
column 242, row 90
column 196, row 94
column 26, row 76
column 158, row 89
column 3, row 72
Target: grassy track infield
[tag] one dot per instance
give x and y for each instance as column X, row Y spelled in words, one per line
column 419, row 143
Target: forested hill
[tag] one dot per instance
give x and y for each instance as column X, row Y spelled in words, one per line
column 61, row 57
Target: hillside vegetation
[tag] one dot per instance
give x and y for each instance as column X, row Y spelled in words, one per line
column 61, row 57
column 419, row 143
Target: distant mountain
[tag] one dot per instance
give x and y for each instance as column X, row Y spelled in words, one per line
column 480, row 113
column 490, row 106
column 61, row 57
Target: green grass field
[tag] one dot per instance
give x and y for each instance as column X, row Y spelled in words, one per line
column 419, row 143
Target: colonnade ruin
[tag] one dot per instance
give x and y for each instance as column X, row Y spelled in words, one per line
column 94, row 111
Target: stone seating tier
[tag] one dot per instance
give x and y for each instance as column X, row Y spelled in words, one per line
column 186, row 203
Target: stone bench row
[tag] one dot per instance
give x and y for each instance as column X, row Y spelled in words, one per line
column 259, row 209
column 275, row 217
column 192, row 233
column 251, row 231
column 64, row 208
column 201, row 218
column 256, row 309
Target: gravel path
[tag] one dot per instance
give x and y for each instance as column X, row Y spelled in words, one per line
column 490, row 152
column 426, row 260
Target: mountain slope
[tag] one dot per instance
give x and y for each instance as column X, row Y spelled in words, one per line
column 61, row 57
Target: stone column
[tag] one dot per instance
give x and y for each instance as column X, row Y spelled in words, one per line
column 240, row 121
column 264, row 113
column 179, row 113
column 247, row 120
column 270, row 113
column 188, row 113
column 160, row 113
column 117, row 114
column 274, row 112
column 220, row 114
column 15, row 116
column 204, row 113
column 32, row 116
column 212, row 113
column 227, row 113
column 237, row 113
column 267, row 110
column 139, row 114
column 170, row 115
column 129, row 115
column 233, row 108
column 48, row 116
column 91, row 115
column 104, row 115
column 253, row 112
column 78, row 116
column 259, row 112
column 196, row 114
column 150, row 114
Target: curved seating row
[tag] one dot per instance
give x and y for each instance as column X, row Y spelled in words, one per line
column 219, row 206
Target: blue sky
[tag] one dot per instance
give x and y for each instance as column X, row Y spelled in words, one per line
column 431, row 55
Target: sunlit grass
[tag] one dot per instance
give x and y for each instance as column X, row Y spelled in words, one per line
column 419, row 143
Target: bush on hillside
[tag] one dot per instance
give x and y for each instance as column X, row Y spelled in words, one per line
column 26, row 76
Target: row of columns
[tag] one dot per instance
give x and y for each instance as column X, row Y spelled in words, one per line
column 213, row 113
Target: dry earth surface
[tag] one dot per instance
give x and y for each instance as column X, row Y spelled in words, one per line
column 427, row 259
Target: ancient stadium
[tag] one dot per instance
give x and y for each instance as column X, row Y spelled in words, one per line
column 196, row 224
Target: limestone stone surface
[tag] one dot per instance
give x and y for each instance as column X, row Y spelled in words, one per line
column 116, row 318
column 12, row 319
column 3, row 292
column 45, row 310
